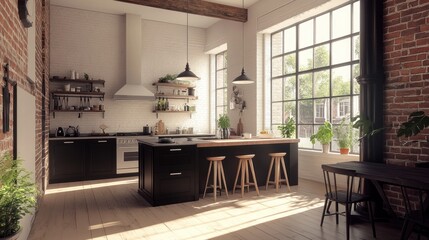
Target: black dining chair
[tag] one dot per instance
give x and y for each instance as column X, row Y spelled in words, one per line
column 416, row 218
column 347, row 195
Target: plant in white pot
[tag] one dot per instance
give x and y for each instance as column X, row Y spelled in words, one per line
column 344, row 133
column 324, row 135
column 224, row 124
column 18, row 195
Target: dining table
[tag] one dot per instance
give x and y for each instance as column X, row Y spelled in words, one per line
column 380, row 174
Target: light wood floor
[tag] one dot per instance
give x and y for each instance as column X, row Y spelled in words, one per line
column 112, row 209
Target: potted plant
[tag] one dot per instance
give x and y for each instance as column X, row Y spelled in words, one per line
column 345, row 135
column 223, row 123
column 167, row 78
column 17, row 196
column 288, row 128
column 324, row 135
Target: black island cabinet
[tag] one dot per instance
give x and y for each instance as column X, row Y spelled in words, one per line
column 168, row 173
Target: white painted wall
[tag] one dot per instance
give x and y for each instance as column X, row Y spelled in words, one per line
column 94, row 43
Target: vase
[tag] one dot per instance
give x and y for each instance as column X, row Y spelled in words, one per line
column 344, row 151
column 325, row 148
column 224, row 133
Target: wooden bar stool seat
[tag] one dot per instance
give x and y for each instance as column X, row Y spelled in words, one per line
column 277, row 159
column 245, row 161
column 218, row 174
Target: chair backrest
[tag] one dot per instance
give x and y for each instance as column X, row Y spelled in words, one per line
column 333, row 175
column 414, row 193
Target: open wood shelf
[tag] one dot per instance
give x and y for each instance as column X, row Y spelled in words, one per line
column 59, row 80
column 176, row 96
column 175, row 85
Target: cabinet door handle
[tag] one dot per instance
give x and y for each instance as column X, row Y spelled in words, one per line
column 175, row 149
column 102, row 141
column 68, row 142
column 175, row 173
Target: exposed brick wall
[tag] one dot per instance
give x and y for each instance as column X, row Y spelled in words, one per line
column 13, row 50
column 406, row 54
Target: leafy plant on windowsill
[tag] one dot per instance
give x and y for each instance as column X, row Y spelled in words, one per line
column 287, row 129
column 345, row 134
column 324, row 135
column 17, row 194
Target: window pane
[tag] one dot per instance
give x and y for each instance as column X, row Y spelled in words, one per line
column 220, row 81
column 305, row 111
column 317, row 146
column 306, row 59
column 277, row 113
column 277, row 41
column 340, row 108
column 356, row 47
column 341, row 81
column 290, row 39
column 276, row 93
column 220, row 110
column 290, row 88
column 225, row 98
column 321, row 110
column 341, row 21
column 356, row 73
column 304, row 134
column 290, row 63
column 321, row 84
column 341, row 51
column 220, row 96
column 306, row 34
column 356, row 106
column 290, row 109
column 356, row 17
column 277, row 66
column 322, row 28
column 321, row 56
column 305, row 85
column 219, row 61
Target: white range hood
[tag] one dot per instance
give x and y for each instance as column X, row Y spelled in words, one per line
column 133, row 88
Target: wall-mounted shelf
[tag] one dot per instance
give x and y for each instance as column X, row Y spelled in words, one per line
column 189, row 97
column 78, row 94
column 174, row 85
column 190, row 112
column 84, row 81
column 79, row 112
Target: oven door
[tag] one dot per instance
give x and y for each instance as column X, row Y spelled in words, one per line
column 127, row 159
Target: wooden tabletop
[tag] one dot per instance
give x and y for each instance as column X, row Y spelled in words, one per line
column 244, row 142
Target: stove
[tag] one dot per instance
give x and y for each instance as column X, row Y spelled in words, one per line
column 127, row 159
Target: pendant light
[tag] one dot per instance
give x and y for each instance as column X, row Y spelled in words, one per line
column 242, row 79
column 187, row 74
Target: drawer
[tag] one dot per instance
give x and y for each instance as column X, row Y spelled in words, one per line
column 175, row 183
column 175, row 156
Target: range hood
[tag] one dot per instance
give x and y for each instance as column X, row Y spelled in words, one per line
column 133, row 88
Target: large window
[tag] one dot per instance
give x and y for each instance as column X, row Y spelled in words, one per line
column 221, row 84
column 314, row 64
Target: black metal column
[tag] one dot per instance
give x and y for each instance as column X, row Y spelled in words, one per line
column 371, row 82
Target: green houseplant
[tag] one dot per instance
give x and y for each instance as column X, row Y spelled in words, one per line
column 223, row 123
column 287, row 129
column 17, row 195
column 344, row 133
column 324, row 135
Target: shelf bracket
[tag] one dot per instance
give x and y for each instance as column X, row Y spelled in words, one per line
column 79, row 115
column 53, row 114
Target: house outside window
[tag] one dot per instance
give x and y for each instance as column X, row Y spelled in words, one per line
column 314, row 65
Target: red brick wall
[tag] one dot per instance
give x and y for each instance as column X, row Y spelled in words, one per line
column 406, row 54
column 13, row 50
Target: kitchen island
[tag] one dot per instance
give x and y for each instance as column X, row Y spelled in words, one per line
column 176, row 172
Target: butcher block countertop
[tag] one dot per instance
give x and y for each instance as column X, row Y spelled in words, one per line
column 222, row 142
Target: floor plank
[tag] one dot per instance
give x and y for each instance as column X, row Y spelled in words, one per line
column 112, row 209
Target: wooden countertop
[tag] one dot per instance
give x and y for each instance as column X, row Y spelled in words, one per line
column 244, row 142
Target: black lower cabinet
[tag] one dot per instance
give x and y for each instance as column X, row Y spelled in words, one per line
column 168, row 174
column 81, row 159
column 101, row 160
column 66, row 161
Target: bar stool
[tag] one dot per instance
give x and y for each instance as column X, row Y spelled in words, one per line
column 218, row 173
column 244, row 162
column 276, row 160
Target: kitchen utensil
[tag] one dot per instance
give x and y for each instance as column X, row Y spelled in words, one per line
column 67, row 87
column 146, row 130
column 60, row 132
column 71, row 132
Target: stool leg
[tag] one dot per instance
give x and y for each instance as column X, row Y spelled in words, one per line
column 247, row 176
column 208, row 176
column 269, row 173
column 223, row 178
column 254, row 176
column 236, row 176
column 243, row 175
column 219, row 177
column 285, row 172
column 215, row 179
column 277, row 173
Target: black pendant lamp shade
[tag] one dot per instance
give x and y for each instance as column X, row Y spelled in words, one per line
column 242, row 79
column 187, row 74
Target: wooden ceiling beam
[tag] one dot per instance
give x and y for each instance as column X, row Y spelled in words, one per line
column 198, row 7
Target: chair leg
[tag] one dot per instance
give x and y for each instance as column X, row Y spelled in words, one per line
column 347, row 221
column 223, row 178
column 236, row 176
column 404, row 229
column 254, row 176
column 285, row 173
column 371, row 217
column 208, row 176
column 336, row 212
column 269, row 173
column 324, row 211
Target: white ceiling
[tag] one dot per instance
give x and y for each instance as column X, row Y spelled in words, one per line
column 150, row 13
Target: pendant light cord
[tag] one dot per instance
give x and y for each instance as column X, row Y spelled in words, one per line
column 187, row 31
column 242, row 37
